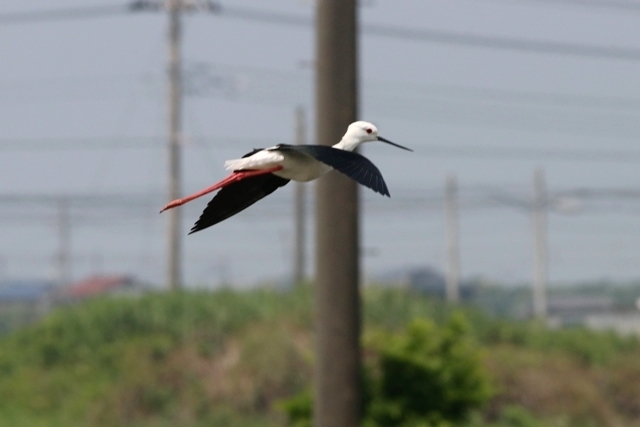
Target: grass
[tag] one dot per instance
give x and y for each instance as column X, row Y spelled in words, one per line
column 142, row 356
column 225, row 358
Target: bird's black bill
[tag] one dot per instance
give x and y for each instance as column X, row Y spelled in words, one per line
column 393, row 143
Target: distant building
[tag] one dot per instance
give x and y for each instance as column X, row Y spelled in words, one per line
column 572, row 310
column 428, row 281
column 23, row 301
column 624, row 323
column 103, row 285
column 596, row 312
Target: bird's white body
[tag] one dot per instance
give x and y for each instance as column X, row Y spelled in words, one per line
column 262, row 172
column 295, row 166
column 299, row 166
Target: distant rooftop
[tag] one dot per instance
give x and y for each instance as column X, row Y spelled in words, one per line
column 23, row 290
column 580, row 302
column 99, row 285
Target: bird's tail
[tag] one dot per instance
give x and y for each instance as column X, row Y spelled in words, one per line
column 234, row 164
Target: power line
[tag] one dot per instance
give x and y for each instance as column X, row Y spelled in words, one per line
column 81, row 144
column 64, row 14
column 394, row 32
column 556, row 100
column 504, row 43
column 624, row 6
column 503, row 194
column 524, row 153
column 96, row 11
column 222, row 81
column 444, row 151
column 603, row 193
column 447, row 37
column 122, row 143
column 264, row 16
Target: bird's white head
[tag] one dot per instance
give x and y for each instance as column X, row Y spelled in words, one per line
column 360, row 132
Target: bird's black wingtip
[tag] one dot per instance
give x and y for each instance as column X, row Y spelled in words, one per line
column 383, row 192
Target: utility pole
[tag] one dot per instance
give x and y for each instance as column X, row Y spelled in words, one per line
column 64, row 242
column 175, row 8
column 540, row 205
column 299, row 255
column 452, row 240
column 337, row 397
column 175, row 178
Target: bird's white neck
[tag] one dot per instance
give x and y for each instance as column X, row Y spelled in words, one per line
column 347, row 144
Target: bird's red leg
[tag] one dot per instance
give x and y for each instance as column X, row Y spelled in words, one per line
column 234, row 177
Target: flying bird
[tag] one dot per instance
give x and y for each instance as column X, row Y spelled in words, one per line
column 262, row 171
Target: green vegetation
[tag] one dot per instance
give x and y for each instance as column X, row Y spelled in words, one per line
column 154, row 360
column 427, row 374
column 232, row 358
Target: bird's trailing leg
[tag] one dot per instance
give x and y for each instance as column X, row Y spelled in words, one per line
column 234, row 177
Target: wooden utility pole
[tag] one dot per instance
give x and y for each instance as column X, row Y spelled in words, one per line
column 174, row 7
column 64, row 236
column 540, row 204
column 452, row 240
column 174, row 261
column 299, row 255
column 337, row 397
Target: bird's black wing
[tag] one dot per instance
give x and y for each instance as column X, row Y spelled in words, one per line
column 236, row 197
column 354, row 165
column 252, row 152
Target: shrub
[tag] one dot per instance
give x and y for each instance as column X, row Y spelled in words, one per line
column 424, row 376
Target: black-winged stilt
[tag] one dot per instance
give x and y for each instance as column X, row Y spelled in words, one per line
column 262, row 171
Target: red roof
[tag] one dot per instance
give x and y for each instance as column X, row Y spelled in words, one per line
column 97, row 285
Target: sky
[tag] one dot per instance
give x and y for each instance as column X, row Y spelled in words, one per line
column 485, row 90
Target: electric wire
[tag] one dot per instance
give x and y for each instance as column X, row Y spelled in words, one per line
column 613, row 5
column 481, row 152
column 447, row 37
column 394, row 32
column 63, row 14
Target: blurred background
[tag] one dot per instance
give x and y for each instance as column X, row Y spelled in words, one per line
column 531, row 107
column 483, row 90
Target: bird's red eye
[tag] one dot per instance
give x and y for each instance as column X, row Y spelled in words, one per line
column 369, row 130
